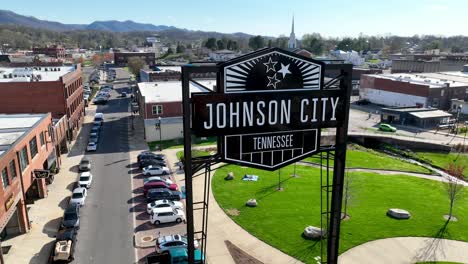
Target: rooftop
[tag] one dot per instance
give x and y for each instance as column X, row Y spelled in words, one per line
column 433, row 80
column 430, row 114
column 171, row 91
column 14, row 126
column 29, row 74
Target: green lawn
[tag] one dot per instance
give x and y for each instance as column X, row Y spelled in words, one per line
column 360, row 157
column 179, row 143
column 195, row 153
column 443, row 159
column 281, row 217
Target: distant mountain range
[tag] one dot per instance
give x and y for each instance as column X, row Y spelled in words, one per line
column 12, row 18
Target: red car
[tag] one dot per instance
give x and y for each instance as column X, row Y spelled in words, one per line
column 156, row 185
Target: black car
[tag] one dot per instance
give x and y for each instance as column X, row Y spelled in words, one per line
column 152, row 162
column 162, row 194
column 148, row 154
column 71, row 217
column 95, row 129
column 362, row 102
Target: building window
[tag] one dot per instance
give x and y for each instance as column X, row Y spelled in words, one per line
column 5, row 179
column 157, row 109
column 13, row 169
column 23, row 159
column 42, row 138
column 33, row 147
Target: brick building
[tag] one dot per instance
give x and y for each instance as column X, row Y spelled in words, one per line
column 408, row 90
column 55, row 51
column 160, row 105
column 58, row 90
column 121, row 58
column 26, row 148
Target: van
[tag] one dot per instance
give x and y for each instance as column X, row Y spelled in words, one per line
column 166, row 215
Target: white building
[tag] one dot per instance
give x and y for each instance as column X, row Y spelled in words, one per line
column 292, row 43
column 223, row 55
column 348, row 56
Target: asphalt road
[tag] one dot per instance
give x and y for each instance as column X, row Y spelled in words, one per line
column 106, row 229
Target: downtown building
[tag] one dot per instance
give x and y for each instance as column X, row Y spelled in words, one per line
column 43, row 89
column 27, row 150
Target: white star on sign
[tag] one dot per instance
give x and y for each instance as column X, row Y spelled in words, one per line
column 272, row 81
column 270, row 65
column 284, row 70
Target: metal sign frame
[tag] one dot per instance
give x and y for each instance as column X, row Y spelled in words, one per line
column 339, row 80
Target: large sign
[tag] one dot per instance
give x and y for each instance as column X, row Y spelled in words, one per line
column 269, row 109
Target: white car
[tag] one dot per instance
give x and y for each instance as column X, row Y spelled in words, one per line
column 157, row 179
column 163, row 203
column 92, row 146
column 86, row 178
column 79, row 196
column 166, row 215
column 164, row 243
column 155, row 170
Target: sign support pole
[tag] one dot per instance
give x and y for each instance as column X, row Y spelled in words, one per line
column 188, row 164
column 339, row 171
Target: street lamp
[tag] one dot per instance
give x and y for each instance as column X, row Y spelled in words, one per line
column 160, row 134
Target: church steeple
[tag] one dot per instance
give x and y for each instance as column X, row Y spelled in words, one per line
column 292, row 44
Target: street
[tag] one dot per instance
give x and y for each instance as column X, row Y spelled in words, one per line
column 106, row 233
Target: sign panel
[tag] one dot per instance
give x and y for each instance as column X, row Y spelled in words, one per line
column 270, row 150
column 270, row 109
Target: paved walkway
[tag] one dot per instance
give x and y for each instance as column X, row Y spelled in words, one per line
column 45, row 214
column 406, row 250
column 222, row 228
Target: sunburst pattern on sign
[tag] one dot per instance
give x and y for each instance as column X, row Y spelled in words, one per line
column 272, row 71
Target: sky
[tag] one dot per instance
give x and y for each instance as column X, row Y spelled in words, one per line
column 336, row 18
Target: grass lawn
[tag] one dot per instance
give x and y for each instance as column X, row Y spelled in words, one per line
column 195, row 153
column 443, row 159
column 360, row 157
column 281, row 217
column 179, row 143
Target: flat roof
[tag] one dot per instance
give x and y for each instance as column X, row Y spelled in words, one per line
column 433, row 80
column 171, row 91
column 15, row 126
column 430, row 114
column 36, row 73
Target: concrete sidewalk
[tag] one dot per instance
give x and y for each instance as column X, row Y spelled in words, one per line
column 222, row 228
column 45, row 214
column 406, row 250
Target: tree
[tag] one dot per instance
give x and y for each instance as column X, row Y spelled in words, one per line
column 211, row 43
column 135, row 64
column 232, row 45
column 313, row 43
column 456, row 49
column 220, row 44
column 454, row 185
column 270, row 43
column 256, row 42
column 346, row 195
column 180, row 48
column 345, row 44
column 169, row 51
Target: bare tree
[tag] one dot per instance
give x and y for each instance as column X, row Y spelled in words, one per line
column 347, row 195
column 454, row 184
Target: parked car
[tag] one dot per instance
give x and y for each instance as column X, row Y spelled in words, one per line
column 166, row 215
column 100, row 100
column 151, row 157
column 159, row 185
column 85, row 165
column 93, row 137
column 164, row 243
column 64, row 249
column 79, row 196
column 86, row 178
column 162, row 194
column 71, row 217
column 151, row 162
column 95, row 129
column 179, row 255
column 98, row 119
column 163, row 203
column 145, row 154
column 157, row 179
column 123, row 94
column 103, row 95
column 92, row 146
column 362, row 102
column 387, row 128
column 155, row 170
